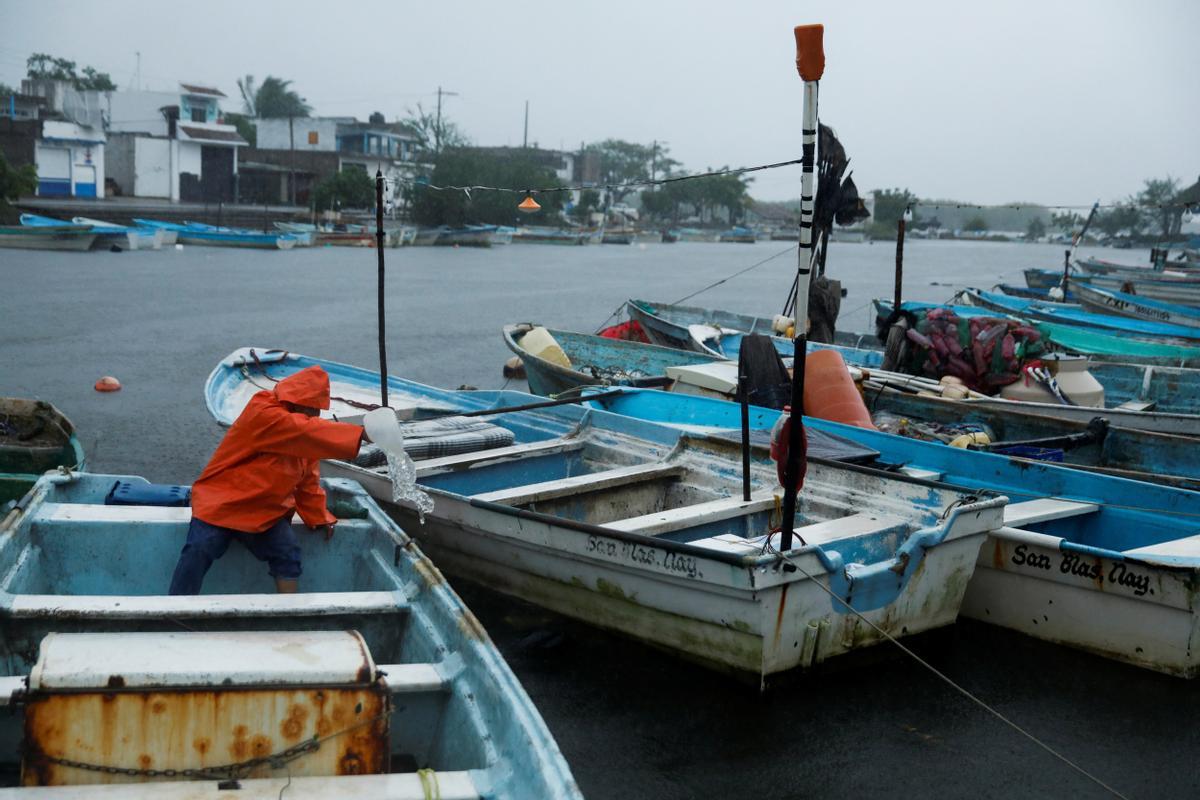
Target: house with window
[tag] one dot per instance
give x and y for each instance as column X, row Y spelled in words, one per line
column 317, row 147
column 59, row 130
column 173, row 145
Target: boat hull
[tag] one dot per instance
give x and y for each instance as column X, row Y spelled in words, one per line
column 33, row 239
column 1135, row 307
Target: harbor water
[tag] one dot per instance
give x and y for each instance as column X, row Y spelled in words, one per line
column 632, row 722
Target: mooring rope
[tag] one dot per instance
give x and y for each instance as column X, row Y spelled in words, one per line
column 946, row 678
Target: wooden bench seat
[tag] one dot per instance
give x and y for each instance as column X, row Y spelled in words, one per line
column 674, row 519
column 580, row 484
column 1044, row 509
column 819, row 533
column 434, row 466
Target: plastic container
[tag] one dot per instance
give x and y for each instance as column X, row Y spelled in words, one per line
column 1035, row 453
column 541, row 344
column 125, row 493
column 830, row 393
column 1073, row 378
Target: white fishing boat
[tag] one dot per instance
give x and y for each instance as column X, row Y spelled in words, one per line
column 642, row 529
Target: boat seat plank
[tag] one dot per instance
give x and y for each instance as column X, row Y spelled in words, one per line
column 1043, row 510
column 413, row 678
column 451, row 785
column 1187, row 548
column 1138, row 405
column 206, row 605
column 591, row 482
column 819, row 533
column 674, row 519
column 99, row 512
column 431, row 466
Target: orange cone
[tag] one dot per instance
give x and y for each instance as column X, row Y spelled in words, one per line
column 108, row 384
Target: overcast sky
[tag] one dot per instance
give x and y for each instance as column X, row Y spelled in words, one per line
column 1049, row 101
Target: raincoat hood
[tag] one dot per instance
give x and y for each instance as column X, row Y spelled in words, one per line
column 308, row 387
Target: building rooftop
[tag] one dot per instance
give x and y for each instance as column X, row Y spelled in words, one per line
column 210, row 135
column 192, row 88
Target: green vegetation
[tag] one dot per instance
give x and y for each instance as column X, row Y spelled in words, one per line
column 1035, row 230
column 350, row 188
column 702, row 195
column 14, row 182
column 434, row 133
column 465, row 167
column 45, row 66
column 589, row 201
column 272, row 100
column 629, row 162
column 890, row 205
column 1161, row 192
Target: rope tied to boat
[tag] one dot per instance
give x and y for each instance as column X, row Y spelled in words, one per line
column 429, row 784
column 941, row 675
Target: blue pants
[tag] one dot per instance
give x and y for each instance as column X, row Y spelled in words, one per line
column 206, row 543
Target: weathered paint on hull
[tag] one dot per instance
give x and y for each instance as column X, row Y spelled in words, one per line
column 1152, row 622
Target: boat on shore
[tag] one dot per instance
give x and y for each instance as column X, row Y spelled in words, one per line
column 466, row 236
column 545, row 235
column 108, row 235
column 138, row 238
column 1098, row 563
column 34, row 437
column 212, row 236
column 696, row 235
column 77, row 238
column 375, row 680
column 618, row 236
column 1106, row 301
column 641, row 528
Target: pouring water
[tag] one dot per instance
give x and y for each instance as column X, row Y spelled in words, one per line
column 384, row 430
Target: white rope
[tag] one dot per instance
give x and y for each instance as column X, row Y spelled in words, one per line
column 947, row 679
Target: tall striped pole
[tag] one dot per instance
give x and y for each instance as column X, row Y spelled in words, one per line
column 810, row 63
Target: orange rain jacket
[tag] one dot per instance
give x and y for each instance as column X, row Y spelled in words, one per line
column 266, row 466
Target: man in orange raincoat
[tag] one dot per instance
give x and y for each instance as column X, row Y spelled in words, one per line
column 264, row 470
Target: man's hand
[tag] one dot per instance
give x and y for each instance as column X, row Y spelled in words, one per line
column 325, row 529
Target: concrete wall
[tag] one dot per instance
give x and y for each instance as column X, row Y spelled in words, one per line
column 138, row 112
column 70, row 160
column 152, row 165
column 273, row 134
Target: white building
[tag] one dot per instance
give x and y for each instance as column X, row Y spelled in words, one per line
column 68, row 150
column 173, row 145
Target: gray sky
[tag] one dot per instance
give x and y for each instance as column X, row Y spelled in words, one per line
column 1049, row 101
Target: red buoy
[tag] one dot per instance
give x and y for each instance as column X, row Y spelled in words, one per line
column 108, row 384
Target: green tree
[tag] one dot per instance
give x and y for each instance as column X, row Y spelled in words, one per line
column 273, row 99
column 627, row 162
column 46, row 66
column 350, row 188
column 6, row 90
column 246, row 87
column 377, row 118
column 1121, row 217
column 976, row 223
column 1157, row 198
column 469, row 167
column 890, row 205
column 1066, row 222
column 14, row 182
column 433, row 134
column 589, row 201
column 1035, row 230
column 245, row 126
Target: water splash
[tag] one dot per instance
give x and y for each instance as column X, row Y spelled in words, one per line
column 403, row 473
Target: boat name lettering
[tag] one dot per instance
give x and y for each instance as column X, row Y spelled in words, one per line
column 1074, row 564
column 685, row 565
column 648, row 556
column 604, row 547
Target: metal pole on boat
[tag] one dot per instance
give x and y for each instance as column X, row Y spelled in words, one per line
column 810, row 63
column 744, row 399
column 383, row 372
column 898, row 293
column 1070, row 255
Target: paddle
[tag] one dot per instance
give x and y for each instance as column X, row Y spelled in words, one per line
column 810, row 63
column 1070, row 254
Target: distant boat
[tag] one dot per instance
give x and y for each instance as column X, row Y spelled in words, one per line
column 503, row 234
column 618, row 236
column 59, row 237
column 466, row 236
column 107, row 235
column 696, row 235
column 543, row 235
column 1033, row 294
column 738, row 235
column 1085, row 560
column 427, row 236
column 785, row 235
column 139, row 238
column 1097, row 266
column 211, row 236
column 670, row 236
column 374, row 680
column 34, row 437
column 1171, row 286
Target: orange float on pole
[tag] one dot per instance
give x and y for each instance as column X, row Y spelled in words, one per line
column 108, row 384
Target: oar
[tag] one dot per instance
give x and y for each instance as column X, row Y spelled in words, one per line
column 810, row 63
column 1070, row 255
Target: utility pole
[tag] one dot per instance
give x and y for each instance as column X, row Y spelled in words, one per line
column 525, row 141
column 292, row 160
column 654, row 160
column 437, row 131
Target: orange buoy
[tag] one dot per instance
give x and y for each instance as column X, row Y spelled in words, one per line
column 830, row 393
column 108, row 384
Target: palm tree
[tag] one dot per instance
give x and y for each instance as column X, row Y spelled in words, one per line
column 275, row 99
column 246, row 87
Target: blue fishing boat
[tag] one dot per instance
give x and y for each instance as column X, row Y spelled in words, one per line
column 738, row 235
column 617, row 236
column 1108, row 565
column 1169, row 285
column 1095, row 343
column 107, row 234
column 1013, row 290
column 76, row 238
column 211, row 236
column 543, row 235
column 34, row 437
column 642, row 529
column 374, row 680
column 140, row 238
column 1072, row 314
column 466, row 236
column 1106, row 301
